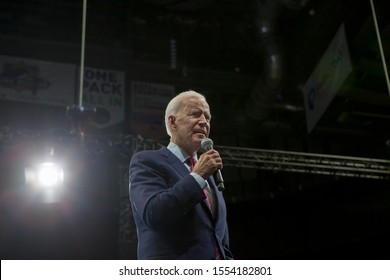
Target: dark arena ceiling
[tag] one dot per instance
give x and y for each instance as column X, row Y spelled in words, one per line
column 220, row 51
column 252, row 60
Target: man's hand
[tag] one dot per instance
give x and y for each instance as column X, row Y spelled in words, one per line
column 208, row 163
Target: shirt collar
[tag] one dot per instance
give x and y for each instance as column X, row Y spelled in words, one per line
column 179, row 152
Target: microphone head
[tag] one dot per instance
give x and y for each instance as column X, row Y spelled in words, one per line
column 207, row 144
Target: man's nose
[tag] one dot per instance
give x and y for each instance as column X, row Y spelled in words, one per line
column 203, row 120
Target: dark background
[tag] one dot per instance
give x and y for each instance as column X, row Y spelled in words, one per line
column 220, row 52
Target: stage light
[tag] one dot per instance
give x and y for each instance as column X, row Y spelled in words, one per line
column 44, row 175
column 50, row 175
column 44, row 181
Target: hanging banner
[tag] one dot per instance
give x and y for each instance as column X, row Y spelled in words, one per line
column 327, row 78
column 105, row 91
column 148, row 103
column 36, row 81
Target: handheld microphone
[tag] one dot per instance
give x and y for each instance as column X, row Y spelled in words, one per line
column 206, row 145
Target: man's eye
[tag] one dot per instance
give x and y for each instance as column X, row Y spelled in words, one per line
column 196, row 114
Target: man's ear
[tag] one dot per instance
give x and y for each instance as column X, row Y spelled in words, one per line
column 172, row 122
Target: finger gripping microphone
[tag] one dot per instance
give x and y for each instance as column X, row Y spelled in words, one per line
column 206, row 145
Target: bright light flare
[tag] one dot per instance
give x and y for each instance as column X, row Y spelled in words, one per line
column 50, row 175
column 45, row 175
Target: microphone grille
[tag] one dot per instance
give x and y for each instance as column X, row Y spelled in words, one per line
column 207, row 144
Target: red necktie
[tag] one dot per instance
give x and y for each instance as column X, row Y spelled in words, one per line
column 192, row 163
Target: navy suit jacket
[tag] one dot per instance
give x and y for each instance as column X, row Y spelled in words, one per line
column 169, row 208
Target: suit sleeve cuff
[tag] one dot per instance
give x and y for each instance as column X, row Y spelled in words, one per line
column 199, row 179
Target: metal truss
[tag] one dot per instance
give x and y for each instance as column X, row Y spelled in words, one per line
column 271, row 160
column 277, row 160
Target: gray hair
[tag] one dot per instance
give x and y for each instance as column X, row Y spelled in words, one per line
column 176, row 104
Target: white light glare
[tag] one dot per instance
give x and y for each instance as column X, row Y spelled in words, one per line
column 49, row 175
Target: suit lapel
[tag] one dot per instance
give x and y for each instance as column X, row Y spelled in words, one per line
column 174, row 161
column 183, row 171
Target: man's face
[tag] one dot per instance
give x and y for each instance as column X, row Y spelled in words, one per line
column 192, row 124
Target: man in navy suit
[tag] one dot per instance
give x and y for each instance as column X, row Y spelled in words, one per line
column 178, row 211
